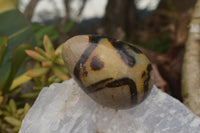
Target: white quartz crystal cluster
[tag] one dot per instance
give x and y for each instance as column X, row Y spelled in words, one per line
column 65, row 108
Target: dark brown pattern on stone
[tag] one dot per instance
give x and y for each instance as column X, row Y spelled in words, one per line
column 117, row 83
column 129, row 60
column 143, row 74
column 85, row 72
column 84, row 57
column 124, row 54
column 137, row 50
column 146, row 81
column 98, row 85
column 95, row 38
column 130, row 83
column 149, row 67
column 96, row 63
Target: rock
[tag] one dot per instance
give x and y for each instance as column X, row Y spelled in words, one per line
column 65, row 108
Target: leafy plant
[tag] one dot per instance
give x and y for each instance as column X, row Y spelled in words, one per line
column 49, row 66
column 50, row 60
column 15, row 38
column 17, row 58
column 11, row 115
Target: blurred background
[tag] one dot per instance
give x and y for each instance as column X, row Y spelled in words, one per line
column 32, row 33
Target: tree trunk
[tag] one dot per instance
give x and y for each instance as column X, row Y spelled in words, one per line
column 130, row 18
column 82, row 7
column 61, row 23
column 176, row 5
column 28, row 13
column 191, row 64
column 119, row 18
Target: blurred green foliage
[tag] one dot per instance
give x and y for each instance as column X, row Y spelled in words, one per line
column 160, row 45
column 11, row 115
column 68, row 26
column 50, row 30
column 40, row 31
column 18, row 35
column 17, row 38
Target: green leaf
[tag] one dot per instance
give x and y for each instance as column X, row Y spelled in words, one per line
column 18, row 30
column 1, row 112
column 15, row 91
column 60, row 73
column 20, row 80
column 37, row 88
column 68, row 26
column 27, row 106
column 13, row 121
column 3, row 47
column 19, row 56
column 37, row 27
column 35, row 55
column 38, row 72
column 59, row 61
column 48, row 46
column 42, row 52
column 53, row 79
column 8, row 109
column 47, row 63
column 41, row 31
column 13, row 106
column 6, row 113
column 16, row 129
column 6, row 5
column 1, row 100
column 4, row 80
column 58, row 51
column 30, row 95
column 20, row 111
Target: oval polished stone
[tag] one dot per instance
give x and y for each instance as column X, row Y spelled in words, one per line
column 114, row 73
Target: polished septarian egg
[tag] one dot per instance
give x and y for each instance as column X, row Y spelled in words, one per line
column 113, row 73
